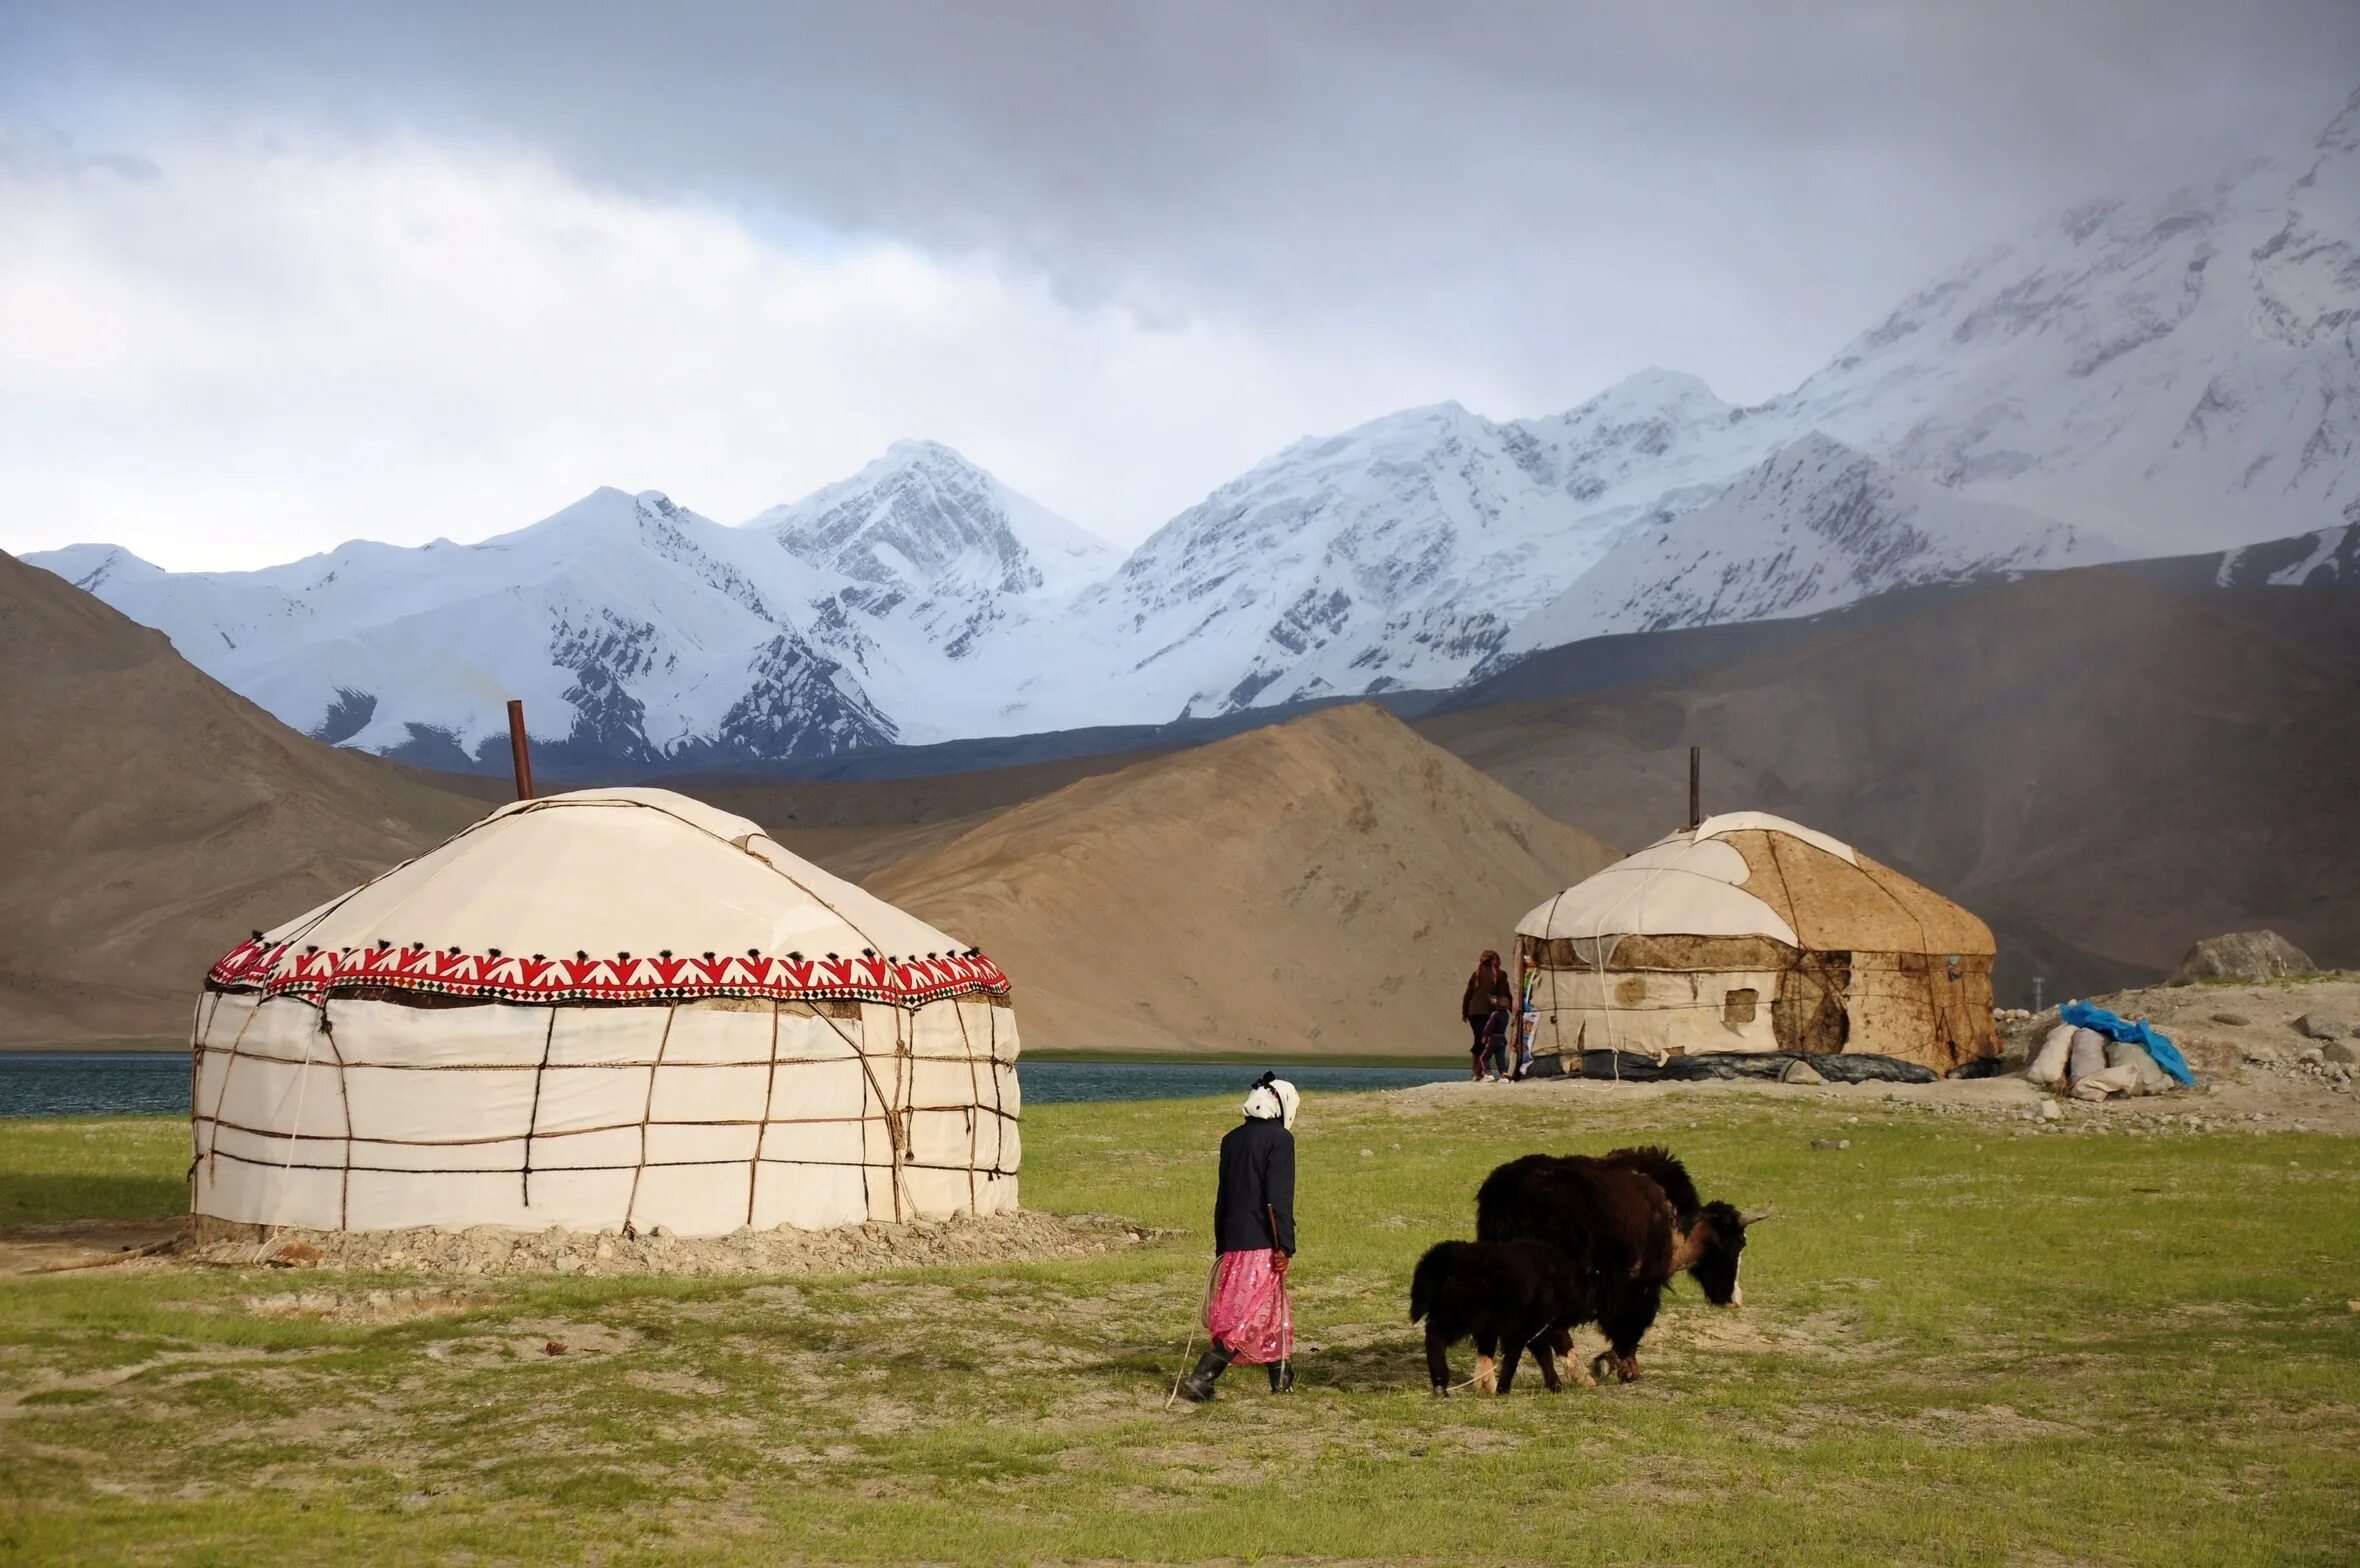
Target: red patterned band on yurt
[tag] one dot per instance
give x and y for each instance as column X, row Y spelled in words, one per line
column 281, row 969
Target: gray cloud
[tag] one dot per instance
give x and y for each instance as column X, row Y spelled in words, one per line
column 1560, row 191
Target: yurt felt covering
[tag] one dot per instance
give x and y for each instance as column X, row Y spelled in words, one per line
column 1750, row 933
column 607, row 1010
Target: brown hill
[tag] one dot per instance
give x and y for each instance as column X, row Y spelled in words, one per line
column 149, row 818
column 858, row 826
column 1319, row 886
column 2105, row 764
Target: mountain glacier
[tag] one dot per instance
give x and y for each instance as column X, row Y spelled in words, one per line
column 2133, row 378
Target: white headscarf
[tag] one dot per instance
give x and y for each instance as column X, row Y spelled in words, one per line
column 1275, row 1100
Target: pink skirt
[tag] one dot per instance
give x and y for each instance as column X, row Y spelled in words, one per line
column 1249, row 1314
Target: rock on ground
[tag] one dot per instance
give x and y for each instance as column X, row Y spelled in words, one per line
column 2243, row 955
column 2321, row 1026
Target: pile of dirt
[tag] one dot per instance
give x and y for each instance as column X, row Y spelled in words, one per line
column 1322, row 885
column 150, row 818
column 494, row 1249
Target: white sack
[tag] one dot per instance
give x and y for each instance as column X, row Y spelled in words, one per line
column 2047, row 1067
column 2088, row 1056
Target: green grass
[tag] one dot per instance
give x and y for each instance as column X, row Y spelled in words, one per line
column 1963, row 1343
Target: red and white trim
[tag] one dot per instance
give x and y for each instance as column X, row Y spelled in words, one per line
column 281, row 969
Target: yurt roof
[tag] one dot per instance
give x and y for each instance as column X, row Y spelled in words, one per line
column 610, row 895
column 1749, row 873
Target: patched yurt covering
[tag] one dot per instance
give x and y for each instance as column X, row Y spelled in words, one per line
column 1752, row 933
column 610, row 1008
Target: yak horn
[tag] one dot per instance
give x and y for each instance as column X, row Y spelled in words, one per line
column 1758, row 1215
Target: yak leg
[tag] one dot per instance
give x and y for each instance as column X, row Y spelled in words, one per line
column 1511, row 1350
column 1438, row 1360
column 1626, row 1321
column 1543, row 1351
column 1486, row 1375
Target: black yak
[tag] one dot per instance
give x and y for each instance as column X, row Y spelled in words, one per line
column 1632, row 1221
column 1506, row 1296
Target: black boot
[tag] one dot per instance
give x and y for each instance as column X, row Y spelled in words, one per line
column 1197, row 1386
column 1282, row 1377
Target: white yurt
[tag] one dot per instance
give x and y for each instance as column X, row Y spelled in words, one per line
column 612, row 1009
column 1751, row 933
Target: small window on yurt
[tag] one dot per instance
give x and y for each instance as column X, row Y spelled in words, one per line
column 1737, row 1007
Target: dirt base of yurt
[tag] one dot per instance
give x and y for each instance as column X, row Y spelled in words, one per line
column 494, row 1249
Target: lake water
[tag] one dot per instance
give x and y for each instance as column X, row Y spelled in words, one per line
column 121, row 1083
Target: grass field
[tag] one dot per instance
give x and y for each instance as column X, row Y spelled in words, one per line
column 1963, row 1343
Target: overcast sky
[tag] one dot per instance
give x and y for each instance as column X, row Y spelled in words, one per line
column 275, row 276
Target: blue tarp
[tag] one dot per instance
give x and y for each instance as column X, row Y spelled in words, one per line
column 2112, row 1025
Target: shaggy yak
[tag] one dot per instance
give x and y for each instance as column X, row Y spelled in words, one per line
column 1631, row 1221
column 1508, row 1296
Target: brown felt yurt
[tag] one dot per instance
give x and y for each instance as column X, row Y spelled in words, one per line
column 1752, row 933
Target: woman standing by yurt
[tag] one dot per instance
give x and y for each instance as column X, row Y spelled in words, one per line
column 604, row 1011
column 1486, row 1005
column 1247, row 1315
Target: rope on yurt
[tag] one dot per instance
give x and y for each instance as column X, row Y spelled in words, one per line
column 1786, row 890
column 532, row 1123
column 647, row 1110
column 294, row 1134
column 200, row 1020
column 905, row 1080
column 892, row 1141
column 1605, row 954
column 343, row 1093
column 762, row 1129
column 221, row 1093
column 1935, row 1012
column 974, row 1100
column 1549, row 924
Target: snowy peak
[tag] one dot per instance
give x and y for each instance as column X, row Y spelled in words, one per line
column 92, row 567
column 1672, row 396
column 924, row 521
column 1815, row 525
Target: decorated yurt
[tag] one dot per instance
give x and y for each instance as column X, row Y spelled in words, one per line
column 617, row 1008
column 1752, row 933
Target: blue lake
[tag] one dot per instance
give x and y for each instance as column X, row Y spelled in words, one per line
column 131, row 1083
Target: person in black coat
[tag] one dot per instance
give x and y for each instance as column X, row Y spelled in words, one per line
column 1247, row 1315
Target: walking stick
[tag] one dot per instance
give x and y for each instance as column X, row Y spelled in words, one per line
column 1189, row 1344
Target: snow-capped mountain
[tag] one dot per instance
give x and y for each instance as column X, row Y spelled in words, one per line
column 635, row 630
column 2136, row 377
column 1813, row 526
column 2179, row 373
column 1394, row 555
column 935, row 562
column 2141, row 378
